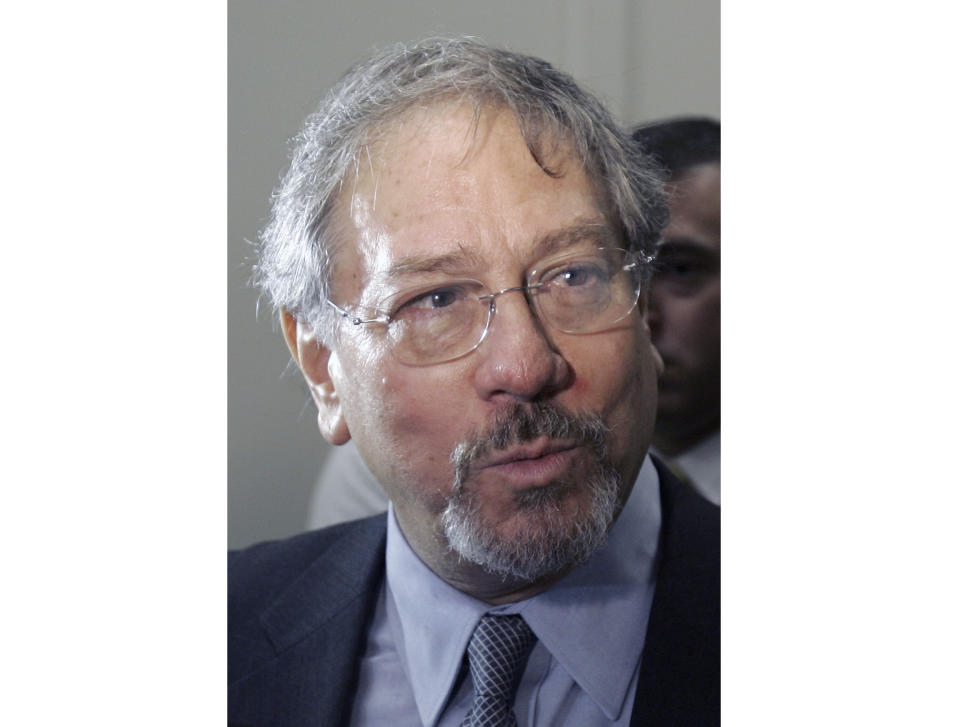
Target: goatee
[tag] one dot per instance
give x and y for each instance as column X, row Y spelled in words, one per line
column 550, row 539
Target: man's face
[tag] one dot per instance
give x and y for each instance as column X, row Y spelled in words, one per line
column 437, row 199
column 685, row 311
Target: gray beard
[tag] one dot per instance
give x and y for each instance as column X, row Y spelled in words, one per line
column 551, row 541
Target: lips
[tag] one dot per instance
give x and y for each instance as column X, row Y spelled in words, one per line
column 530, row 451
column 532, row 464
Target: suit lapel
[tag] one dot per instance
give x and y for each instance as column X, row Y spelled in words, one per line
column 306, row 672
column 317, row 629
column 680, row 669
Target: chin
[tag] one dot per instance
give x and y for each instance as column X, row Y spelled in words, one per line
column 550, row 529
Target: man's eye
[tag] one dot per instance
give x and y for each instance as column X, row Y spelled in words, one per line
column 578, row 275
column 679, row 269
column 436, row 299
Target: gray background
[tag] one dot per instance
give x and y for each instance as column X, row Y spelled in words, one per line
column 646, row 58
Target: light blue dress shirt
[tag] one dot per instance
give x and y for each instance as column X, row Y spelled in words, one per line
column 590, row 629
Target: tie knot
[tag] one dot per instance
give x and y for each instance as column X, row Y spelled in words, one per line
column 498, row 652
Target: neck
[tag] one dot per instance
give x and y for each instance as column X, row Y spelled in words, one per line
column 494, row 589
column 432, row 548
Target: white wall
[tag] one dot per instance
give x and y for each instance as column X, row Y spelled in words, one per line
column 647, row 59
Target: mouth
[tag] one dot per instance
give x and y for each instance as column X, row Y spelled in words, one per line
column 533, row 463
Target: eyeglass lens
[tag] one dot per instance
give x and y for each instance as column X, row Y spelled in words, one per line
column 580, row 293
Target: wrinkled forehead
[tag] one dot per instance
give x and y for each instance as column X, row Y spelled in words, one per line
column 419, row 144
column 473, row 120
column 443, row 172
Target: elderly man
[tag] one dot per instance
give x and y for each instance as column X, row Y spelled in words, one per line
column 460, row 255
column 684, row 322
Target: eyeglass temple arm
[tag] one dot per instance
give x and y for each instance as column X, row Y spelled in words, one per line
column 350, row 317
column 641, row 258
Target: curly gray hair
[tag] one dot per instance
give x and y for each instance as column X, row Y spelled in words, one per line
column 298, row 245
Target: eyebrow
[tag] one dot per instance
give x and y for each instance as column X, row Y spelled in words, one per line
column 566, row 237
column 464, row 257
column 453, row 261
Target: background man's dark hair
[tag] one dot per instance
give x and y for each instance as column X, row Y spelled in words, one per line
column 681, row 143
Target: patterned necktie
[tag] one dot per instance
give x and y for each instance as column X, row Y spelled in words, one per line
column 498, row 652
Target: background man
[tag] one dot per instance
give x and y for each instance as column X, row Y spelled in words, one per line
column 460, row 254
column 685, row 300
column 684, row 319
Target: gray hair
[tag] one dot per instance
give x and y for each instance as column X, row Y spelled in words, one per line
column 298, row 244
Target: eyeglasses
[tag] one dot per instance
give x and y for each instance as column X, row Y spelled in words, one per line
column 583, row 292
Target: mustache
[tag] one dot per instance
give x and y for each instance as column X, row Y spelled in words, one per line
column 525, row 423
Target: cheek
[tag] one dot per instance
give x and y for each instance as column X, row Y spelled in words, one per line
column 699, row 321
column 675, row 310
column 414, row 426
column 616, row 377
column 413, row 403
column 581, row 387
column 685, row 317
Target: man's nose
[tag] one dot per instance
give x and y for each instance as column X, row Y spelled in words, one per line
column 517, row 359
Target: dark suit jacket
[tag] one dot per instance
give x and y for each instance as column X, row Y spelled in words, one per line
column 299, row 611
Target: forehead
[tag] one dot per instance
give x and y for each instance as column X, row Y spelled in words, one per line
column 445, row 181
column 695, row 205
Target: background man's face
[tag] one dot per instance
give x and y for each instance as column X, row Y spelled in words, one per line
column 447, row 202
column 685, row 308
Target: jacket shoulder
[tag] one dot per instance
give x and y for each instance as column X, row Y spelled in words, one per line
column 256, row 575
column 259, row 572
column 298, row 614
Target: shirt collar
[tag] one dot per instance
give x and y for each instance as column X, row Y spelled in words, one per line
column 701, row 463
column 432, row 621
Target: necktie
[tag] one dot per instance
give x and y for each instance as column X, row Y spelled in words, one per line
column 498, row 652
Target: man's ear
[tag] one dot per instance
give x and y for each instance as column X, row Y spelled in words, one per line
column 313, row 358
column 644, row 305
